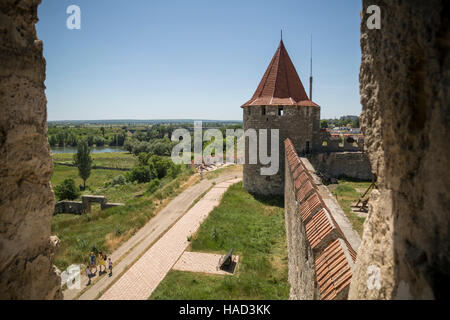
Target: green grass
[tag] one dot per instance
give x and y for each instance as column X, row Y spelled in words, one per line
column 254, row 226
column 107, row 159
column 106, row 230
column 346, row 195
column 218, row 172
column 96, row 180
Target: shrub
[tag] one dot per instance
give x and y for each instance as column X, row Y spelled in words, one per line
column 153, row 166
column 67, row 190
column 118, row 230
column 159, row 195
column 153, row 186
column 174, row 170
column 119, row 180
column 140, row 174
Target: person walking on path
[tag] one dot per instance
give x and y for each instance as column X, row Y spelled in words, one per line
column 110, row 266
column 102, row 263
column 93, row 265
column 89, row 275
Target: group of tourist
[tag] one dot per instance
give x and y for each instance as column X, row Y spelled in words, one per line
column 91, row 269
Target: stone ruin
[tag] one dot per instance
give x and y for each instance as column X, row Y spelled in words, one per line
column 83, row 206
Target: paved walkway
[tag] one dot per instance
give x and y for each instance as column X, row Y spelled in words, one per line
column 128, row 252
column 143, row 277
column 201, row 262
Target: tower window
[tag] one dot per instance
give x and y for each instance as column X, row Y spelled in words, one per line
column 249, row 112
column 280, row 111
column 263, row 110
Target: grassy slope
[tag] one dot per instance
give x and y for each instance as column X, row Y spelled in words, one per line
column 255, row 228
column 347, row 195
column 106, row 230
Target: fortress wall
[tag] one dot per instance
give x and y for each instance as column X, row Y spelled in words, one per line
column 404, row 83
column 321, row 242
column 26, row 200
column 300, row 259
column 354, row 165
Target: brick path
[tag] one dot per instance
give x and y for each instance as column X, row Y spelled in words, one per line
column 201, row 262
column 144, row 276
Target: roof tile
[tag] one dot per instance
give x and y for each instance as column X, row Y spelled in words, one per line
column 334, row 270
column 280, row 85
column 304, row 191
column 310, row 207
column 321, row 230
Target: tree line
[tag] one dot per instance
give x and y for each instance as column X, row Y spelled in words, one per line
column 67, row 136
column 341, row 122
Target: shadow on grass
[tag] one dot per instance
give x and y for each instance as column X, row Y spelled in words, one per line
column 275, row 200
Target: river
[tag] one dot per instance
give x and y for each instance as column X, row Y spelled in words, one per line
column 93, row 149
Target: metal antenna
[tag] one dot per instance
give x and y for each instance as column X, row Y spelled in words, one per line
column 311, row 75
column 281, row 34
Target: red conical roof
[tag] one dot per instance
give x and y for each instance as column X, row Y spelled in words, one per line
column 280, row 85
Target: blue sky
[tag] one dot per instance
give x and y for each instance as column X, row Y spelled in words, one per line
column 146, row 59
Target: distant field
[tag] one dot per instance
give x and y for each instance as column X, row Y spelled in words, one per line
column 96, row 182
column 255, row 228
column 113, row 159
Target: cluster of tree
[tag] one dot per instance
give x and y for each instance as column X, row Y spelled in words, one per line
column 83, row 161
column 151, row 167
column 342, row 122
column 161, row 147
column 70, row 136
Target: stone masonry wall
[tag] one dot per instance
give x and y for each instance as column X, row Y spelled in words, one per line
column 404, row 82
column 300, row 259
column 83, row 206
column 320, row 258
column 301, row 124
column 354, row 165
column 26, row 200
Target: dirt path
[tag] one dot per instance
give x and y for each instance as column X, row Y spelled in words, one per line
column 136, row 246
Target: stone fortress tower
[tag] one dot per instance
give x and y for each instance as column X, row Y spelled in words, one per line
column 280, row 102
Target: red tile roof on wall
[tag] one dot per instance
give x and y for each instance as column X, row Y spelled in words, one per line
column 304, row 191
column 301, row 180
column 298, row 171
column 334, row 270
column 280, row 85
column 334, row 256
column 310, row 207
column 321, row 229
